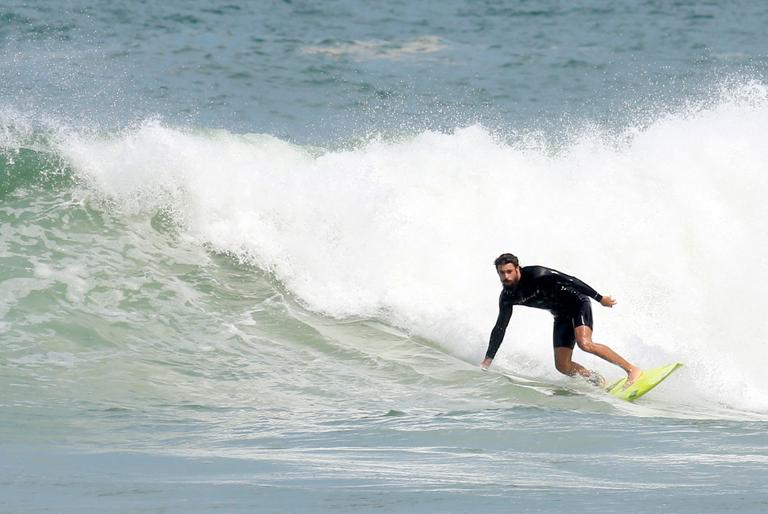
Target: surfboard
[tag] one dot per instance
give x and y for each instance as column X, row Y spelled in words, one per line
column 647, row 381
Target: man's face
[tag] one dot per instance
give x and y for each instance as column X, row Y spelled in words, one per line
column 509, row 275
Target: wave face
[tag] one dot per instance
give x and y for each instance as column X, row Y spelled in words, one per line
column 184, row 231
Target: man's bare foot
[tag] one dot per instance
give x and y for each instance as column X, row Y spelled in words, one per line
column 632, row 375
column 596, row 379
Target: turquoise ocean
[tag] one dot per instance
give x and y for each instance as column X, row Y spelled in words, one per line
column 246, row 254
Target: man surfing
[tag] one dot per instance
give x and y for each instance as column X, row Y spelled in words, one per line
column 567, row 298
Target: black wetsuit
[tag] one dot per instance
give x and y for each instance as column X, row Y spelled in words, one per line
column 566, row 297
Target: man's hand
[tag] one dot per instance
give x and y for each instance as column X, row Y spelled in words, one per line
column 486, row 363
column 607, row 301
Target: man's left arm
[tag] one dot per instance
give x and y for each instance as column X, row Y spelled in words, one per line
column 584, row 288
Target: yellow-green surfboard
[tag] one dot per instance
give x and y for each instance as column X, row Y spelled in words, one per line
column 647, row 381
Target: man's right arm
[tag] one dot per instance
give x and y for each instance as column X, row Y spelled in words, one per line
column 497, row 334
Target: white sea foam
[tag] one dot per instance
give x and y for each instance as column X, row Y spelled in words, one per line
column 374, row 49
column 670, row 218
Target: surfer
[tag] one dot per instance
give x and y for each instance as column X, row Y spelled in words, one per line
column 567, row 298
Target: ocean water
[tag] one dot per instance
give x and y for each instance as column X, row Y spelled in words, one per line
column 245, row 254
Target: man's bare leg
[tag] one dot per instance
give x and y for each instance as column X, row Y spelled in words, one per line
column 584, row 340
column 565, row 365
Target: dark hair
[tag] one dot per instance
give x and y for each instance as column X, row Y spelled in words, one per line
column 506, row 258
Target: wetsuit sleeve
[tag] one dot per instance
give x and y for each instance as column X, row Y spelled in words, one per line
column 566, row 281
column 582, row 287
column 497, row 334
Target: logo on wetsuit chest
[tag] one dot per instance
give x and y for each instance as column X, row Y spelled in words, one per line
column 529, row 297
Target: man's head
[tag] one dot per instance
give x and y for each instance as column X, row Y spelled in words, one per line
column 508, row 268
